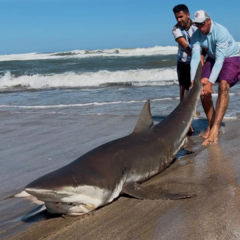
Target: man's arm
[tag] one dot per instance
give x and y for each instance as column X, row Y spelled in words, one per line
column 183, row 43
column 178, row 36
column 222, row 39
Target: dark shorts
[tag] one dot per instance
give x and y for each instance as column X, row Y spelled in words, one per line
column 230, row 70
column 183, row 72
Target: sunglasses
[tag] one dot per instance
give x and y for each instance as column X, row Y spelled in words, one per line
column 200, row 24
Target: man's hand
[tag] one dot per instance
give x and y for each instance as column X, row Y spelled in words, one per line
column 207, row 87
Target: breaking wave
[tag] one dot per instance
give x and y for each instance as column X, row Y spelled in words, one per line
column 117, row 52
column 103, row 78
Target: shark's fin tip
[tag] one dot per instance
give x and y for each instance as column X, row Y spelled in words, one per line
column 145, row 121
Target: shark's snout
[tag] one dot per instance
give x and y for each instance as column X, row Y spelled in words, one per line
column 50, row 195
column 68, row 208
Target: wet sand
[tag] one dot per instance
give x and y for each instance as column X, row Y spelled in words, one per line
column 32, row 145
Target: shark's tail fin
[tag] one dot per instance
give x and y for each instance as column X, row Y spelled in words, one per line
column 197, row 79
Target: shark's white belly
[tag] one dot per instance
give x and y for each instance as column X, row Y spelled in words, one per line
column 76, row 200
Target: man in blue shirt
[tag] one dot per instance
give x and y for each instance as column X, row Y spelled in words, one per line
column 222, row 65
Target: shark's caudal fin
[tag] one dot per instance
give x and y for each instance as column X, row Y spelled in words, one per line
column 186, row 94
column 145, row 121
column 197, row 79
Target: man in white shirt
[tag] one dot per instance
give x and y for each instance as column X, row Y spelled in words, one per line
column 182, row 33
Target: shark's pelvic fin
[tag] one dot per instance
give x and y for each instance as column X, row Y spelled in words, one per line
column 145, row 121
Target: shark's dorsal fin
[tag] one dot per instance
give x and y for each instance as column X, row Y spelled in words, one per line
column 145, row 121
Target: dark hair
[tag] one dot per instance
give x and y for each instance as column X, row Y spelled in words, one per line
column 181, row 7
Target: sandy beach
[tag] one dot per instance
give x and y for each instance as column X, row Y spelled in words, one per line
column 35, row 144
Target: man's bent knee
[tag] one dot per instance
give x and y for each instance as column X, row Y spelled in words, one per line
column 223, row 86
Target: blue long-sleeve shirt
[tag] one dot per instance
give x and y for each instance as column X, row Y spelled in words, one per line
column 218, row 44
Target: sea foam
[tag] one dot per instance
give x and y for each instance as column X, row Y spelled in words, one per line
column 140, row 77
column 121, row 52
column 117, row 52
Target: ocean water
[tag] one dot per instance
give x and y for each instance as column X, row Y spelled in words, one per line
column 97, row 82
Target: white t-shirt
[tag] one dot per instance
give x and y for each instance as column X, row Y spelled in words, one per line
column 178, row 32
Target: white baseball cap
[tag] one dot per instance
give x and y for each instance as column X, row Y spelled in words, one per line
column 200, row 16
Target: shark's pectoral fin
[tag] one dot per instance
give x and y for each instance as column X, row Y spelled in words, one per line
column 138, row 191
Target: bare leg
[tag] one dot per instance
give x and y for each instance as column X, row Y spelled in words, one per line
column 182, row 89
column 221, row 107
column 208, row 107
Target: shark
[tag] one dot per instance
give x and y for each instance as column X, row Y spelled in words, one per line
column 120, row 166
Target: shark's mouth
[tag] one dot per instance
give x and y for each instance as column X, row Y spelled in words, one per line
column 66, row 203
column 68, row 208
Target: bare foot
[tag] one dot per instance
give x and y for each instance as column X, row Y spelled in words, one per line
column 212, row 138
column 205, row 134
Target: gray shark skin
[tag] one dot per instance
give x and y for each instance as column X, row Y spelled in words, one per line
column 101, row 175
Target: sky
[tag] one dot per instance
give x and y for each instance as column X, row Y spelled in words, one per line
column 63, row 25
